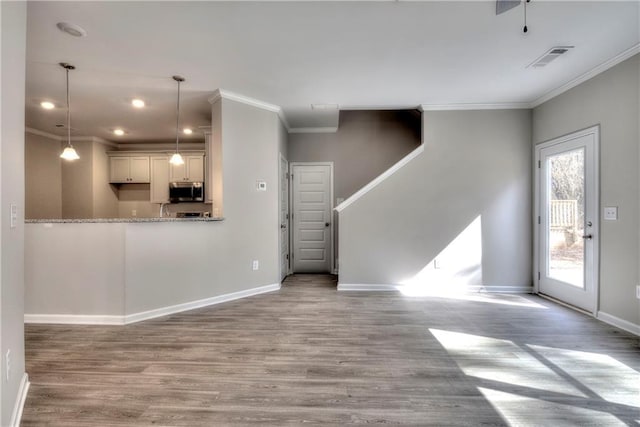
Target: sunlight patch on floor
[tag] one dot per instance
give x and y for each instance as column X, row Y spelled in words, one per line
column 525, row 411
column 605, row 376
column 503, row 361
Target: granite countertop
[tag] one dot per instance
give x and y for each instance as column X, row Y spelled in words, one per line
column 118, row 220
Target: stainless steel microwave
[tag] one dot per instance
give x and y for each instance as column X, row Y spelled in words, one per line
column 186, row 192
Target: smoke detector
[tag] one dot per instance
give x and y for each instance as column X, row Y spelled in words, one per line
column 549, row 56
column 71, row 29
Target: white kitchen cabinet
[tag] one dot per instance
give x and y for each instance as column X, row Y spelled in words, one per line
column 191, row 171
column 208, row 167
column 159, row 179
column 129, row 169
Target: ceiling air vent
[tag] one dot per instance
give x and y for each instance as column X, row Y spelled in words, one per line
column 549, row 56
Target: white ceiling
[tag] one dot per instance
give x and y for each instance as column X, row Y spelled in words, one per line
column 294, row 54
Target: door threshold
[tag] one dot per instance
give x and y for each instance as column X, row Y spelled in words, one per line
column 565, row 304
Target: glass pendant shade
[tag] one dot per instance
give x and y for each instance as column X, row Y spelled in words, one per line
column 69, row 153
column 176, row 159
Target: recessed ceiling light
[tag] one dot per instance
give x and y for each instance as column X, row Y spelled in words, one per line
column 187, row 131
column 71, row 29
column 118, row 132
column 138, row 103
column 47, row 105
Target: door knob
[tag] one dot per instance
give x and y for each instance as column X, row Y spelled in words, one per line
column 326, row 224
column 283, row 226
column 588, row 236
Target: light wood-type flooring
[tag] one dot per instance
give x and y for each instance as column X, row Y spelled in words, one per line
column 309, row 355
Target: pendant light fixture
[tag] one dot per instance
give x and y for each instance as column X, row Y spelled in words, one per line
column 69, row 152
column 177, row 159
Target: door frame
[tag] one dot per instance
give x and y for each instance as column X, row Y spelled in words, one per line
column 332, row 267
column 592, row 130
column 280, row 159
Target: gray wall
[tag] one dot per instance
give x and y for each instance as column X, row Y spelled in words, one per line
column 172, row 263
column 13, row 27
column 610, row 100
column 131, row 268
column 366, row 144
column 475, row 164
column 77, row 183
column 43, row 177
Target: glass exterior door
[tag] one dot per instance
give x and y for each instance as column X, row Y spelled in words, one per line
column 568, row 219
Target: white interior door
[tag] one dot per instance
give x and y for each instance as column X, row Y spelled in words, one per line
column 311, row 198
column 284, row 217
column 568, row 218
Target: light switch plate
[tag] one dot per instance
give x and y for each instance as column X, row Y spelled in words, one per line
column 261, row 186
column 611, row 213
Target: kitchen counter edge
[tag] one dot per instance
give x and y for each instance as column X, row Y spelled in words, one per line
column 118, row 220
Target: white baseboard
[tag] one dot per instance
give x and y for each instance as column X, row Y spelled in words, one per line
column 145, row 315
column 479, row 289
column 74, row 319
column 501, row 289
column 366, row 287
column 158, row 312
column 21, row 398
column 619, row 323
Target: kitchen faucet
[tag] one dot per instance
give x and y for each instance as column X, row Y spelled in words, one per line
column 162, row 210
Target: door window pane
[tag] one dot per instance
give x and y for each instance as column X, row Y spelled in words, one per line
column 565, row 212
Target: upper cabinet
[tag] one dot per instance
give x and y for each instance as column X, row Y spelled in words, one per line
column 191, row 171
column 159, row 179
column 129, row 169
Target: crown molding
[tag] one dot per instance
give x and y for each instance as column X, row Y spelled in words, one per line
column 622, row 56
column 332, row 129
column 225, row 94
column 73, row 139
column 43, row 133
column 488, row 106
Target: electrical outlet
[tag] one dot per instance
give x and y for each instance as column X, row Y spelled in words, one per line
column 261, row 185
column 256, row 264
column 638, row 292
column 14, row 215
column 7, row 365
column 134, row 212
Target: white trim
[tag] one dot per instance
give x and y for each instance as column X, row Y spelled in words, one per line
column 225, row 94
column 73, row 139
column 388, row 107
column 383, row 176
column 21, row 398
column 367, row 287
column 500, row 289
column 622, row 56
column 314, row 130
column 284, row 274
column 481, row 106
column 74, row 319
column 618, row 322
column 158, row 312
column 470, row 289
column 43, row 133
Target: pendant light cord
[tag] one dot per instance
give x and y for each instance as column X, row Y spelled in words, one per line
column 68, row 111
column 178, row 79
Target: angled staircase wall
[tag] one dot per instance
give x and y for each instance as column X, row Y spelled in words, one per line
column 474, row 164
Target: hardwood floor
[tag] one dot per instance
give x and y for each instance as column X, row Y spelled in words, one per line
column 311, row 355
